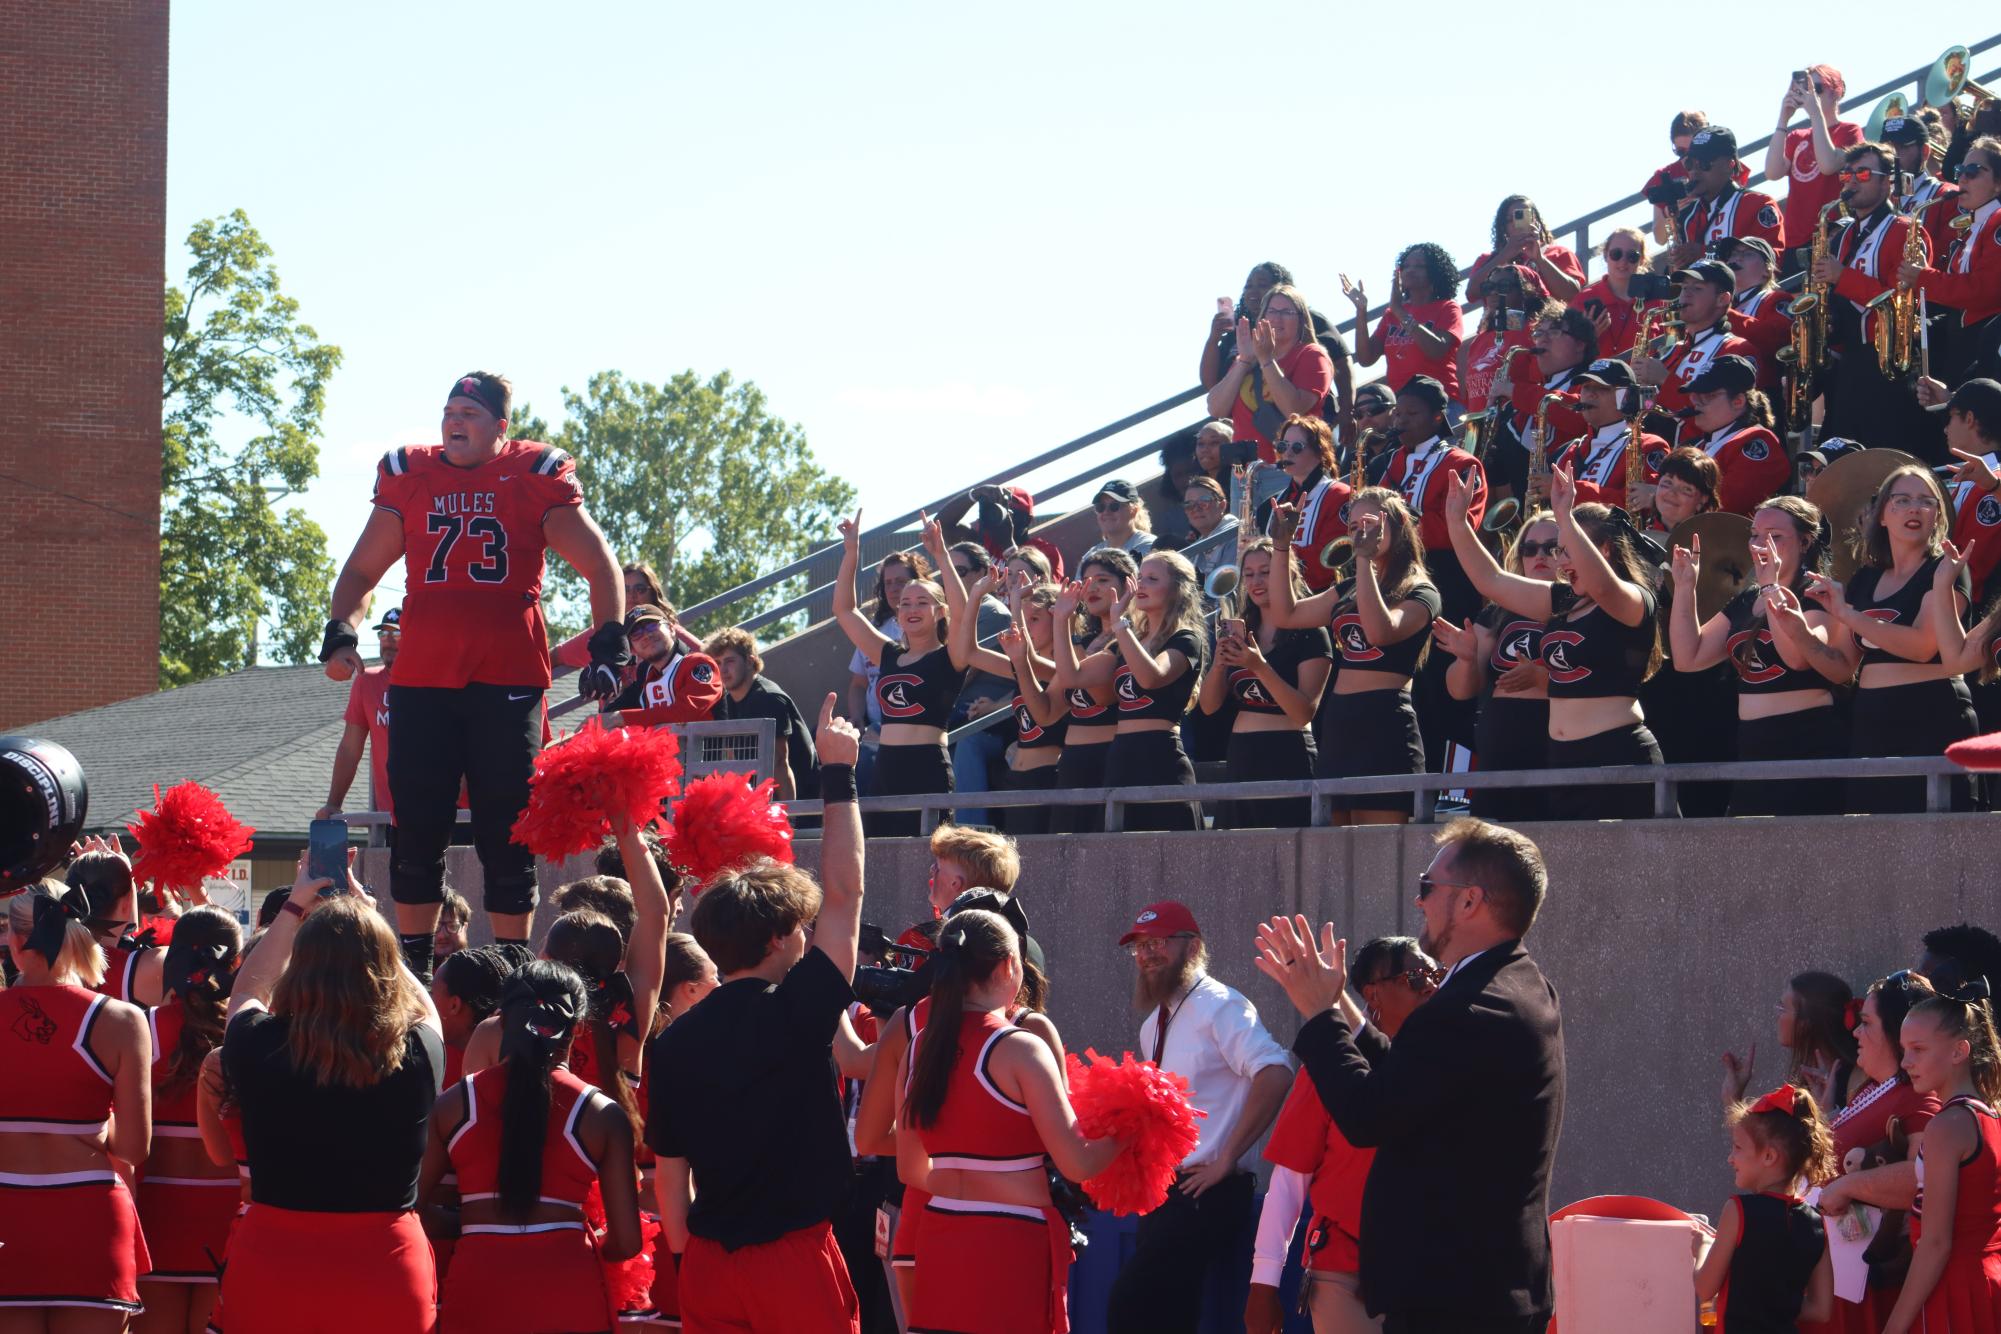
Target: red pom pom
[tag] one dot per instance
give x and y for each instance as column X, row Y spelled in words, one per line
column 722, row 822
column 1981, row 754
column 629, row 1282
column 1148, row 1107
column 188, row 836
column 600, row 772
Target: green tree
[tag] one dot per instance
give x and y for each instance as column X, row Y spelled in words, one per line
column 243, row 389
column 696, row 478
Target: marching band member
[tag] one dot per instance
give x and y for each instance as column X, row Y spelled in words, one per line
column 1367, row 723
column 1278, row 370
column 1565, row 343
column 1777, row 644
column 1421, row 331
column 1609, row 301
column 671, row 683
column 1521, row 237
column 1276, row 675
column 1715, row 206
column 1906, row 701
column 1973, row 434
column 1497, row 661
column 1810, row 155
column 1107, row 577
column 917, row 687
column 1926, row 196
column 1666, row 187
column 1599, row 643
column 1315, row 488
column 1511, row 299
column 1760, row 313
column 1597, row 458
column 1420, row 471
column 1731, row 422
column 1970, row 278
column 1865, row 400
column 76, row 1117
column 1375, row 404
column 1703, row 299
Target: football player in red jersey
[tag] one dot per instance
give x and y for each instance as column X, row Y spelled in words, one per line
column 470, row 517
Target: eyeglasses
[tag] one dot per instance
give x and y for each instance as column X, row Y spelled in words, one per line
column 1425, row 884
column 965, row 571
column 1281, row 313
column 1530, row 550
column 1968, row 170
column 1110, row 506
column 1911, row 503
column 1861, row 175
column 1295, row 446
column 1616, row 255
column 1155, row 944
column 1201, row 503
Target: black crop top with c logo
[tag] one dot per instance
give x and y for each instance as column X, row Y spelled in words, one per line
column 920, row 691
column 1351, row 643
column 1289, row 650
column 1169, row 701
column 1899, row 608
column 1596, row 656
column 1754, row 657
column 1517, row 640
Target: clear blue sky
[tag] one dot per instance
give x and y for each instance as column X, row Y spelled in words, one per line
column 939, row 237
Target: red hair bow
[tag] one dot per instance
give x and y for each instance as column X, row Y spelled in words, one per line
column 1784, row 1100
column 1851, row 1014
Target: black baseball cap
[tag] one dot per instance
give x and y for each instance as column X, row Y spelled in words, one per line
column 1608, row 371
column 1426, row 391
column 1905, row 131
column 391, row 620
column 1119, row 489
column 1712, row 271
column 1978, row 399
column 1712, row 141
column 1376, row 391
column 1732, row 375
column 1730, row 245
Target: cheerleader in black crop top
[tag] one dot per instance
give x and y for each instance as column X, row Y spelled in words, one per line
column 1600, row 641
column 916, row 690
column 1777, row 647
column 1379, row 623
column 1497, row 660
column 1907, row 701
column 1274, row 677
column 1153, row 663
column 1107, row 580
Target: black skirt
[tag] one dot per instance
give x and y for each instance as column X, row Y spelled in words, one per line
column 1152, row 759
column 1512, row 734
column 1922, row 718
column 1017, row 821
column 902, row 771
column 1595, row 801
column 1264, row 757
column 1809, row 734
column 1372, row 733
column 1080, row 767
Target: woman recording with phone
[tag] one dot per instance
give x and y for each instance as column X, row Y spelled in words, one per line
column 1104, row 581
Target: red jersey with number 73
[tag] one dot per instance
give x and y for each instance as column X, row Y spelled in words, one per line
column 472, row 561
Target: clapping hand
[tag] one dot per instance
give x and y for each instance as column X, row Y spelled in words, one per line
column 1264, row 339
column 1246, row 350
column 1313, row 976
column 1013, row 643
column 1458, row 640
column 1355, row 293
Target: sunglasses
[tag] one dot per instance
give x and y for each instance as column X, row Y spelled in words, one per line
column 1425, row 884
column 1861, row 175
column 1530, row 550
column 1294, row 447
column 1373, row 407
column 1110, row 506
column 1417, row 979
column 1616, row 255
column 1968, row 170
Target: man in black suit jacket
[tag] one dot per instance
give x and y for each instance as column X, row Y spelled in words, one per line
column 1463, row 1109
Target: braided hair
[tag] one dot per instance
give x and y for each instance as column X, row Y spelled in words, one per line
column 539, row 1012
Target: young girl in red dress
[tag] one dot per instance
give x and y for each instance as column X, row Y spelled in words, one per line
column 528, row 1139
column 75, row 1108
column 187, row 1202
column 985, row 1103
column 1954, row 1286
column 1769, row 1268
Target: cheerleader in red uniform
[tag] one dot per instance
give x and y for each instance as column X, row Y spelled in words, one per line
column 187, row 1202
column 1954, row 1285
column 527, row 1139
column 75, row 1112
column 985, row 1103
column 133, row 965
column 1768, row 1268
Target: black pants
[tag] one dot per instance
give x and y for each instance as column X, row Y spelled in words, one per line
column 1152, row 759
column 1368, row 734
column 1081, row 766
column 1160, row 1289
column 486, row 736
column 1809, row 734
column 1441, row 718
column 1453, row 1322
column 906, row 771
column 1257, row 757
column 854, row 1233
column 1877, row 409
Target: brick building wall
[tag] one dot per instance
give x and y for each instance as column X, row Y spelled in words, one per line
column 83, row 158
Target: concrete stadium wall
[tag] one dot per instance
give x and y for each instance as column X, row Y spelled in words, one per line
column 1669, row 943
column 83, row 151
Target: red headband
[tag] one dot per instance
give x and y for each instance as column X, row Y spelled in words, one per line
column 1784, row 1100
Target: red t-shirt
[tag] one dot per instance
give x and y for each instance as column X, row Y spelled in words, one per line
column 1305, row 1139
column 472, row 561
column 1483, row 361
column 1562, row 257
column 1400, row 350
column 1812, row 189
column 1617, row 340
column 1306, row 367
column 368, row 707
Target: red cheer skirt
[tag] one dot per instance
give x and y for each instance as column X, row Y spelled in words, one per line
column 70, row 1239
column 523, row 1280
column 965, row 1243
column 295, row 1271
column 187, row 1222
column 1967, row 1298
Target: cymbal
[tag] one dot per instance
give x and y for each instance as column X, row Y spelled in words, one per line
column 1726, row 557
column 1844, row 491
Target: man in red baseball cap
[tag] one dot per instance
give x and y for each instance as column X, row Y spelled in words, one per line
column 1238, row 1077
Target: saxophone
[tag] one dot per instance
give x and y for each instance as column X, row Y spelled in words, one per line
column 1636, row 465
column 1896, row 329
column 1807, row 351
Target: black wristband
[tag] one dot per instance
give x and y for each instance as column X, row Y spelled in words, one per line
column 837, row 783
column 339, row 635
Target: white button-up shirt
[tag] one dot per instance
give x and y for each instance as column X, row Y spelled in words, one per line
column 1216, row 1042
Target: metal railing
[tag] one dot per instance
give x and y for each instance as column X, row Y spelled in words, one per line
column 1665, row 780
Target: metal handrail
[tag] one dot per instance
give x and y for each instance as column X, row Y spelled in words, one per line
column 1664, row 779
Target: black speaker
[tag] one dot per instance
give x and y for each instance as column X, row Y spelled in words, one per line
column 43, row 800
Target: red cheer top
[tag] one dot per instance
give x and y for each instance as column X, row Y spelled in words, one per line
column 1976, row 1216
column 1405, row 359
column 567, row 1171
column 1306, row 1140
column 979, row 1128
column 472, row 561
column 50, row 1082
column 173, row 1108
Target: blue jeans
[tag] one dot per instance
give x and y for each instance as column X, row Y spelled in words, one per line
column 970, row 758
